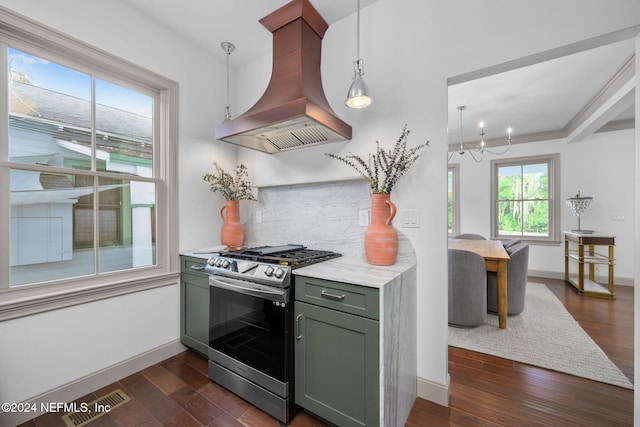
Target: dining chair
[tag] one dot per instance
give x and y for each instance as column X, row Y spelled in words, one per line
column 517, row 268
column 470, row 236
column 467, row 288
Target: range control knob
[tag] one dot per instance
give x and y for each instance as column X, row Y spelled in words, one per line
column 225, row 263
column 269, row 271
column 218, row 262
column 211, row 261
column 278, row 273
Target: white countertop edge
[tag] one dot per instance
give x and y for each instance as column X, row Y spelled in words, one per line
column 355, row 270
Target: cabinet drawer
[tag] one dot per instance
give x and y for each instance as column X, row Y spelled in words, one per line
column 354, row 299
column 193, row 266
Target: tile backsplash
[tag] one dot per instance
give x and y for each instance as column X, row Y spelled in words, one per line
column 319, row 215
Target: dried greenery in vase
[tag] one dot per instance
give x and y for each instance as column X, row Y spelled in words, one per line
column 384, row 167
column 231, row 187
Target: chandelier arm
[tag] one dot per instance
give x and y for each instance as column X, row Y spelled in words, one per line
column 477, row 159
column 501, row 152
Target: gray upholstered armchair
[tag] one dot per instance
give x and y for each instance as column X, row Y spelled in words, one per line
column 470, row 236
column 467, row 288
column 516, row 281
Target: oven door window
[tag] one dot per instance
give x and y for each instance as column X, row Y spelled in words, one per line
column 249, row 329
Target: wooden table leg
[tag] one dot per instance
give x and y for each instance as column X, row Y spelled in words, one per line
column 502, row 294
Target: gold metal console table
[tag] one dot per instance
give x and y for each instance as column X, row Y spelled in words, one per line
column 580, row 252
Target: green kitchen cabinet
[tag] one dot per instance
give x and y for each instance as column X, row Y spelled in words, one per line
column 337, row 351
column 194, row 304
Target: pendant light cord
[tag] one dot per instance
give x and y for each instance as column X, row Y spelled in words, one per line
column 358, row 32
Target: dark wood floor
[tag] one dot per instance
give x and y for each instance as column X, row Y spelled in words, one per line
column 485, row 390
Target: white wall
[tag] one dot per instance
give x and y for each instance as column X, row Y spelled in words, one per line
column 600, row 166
column 410, row 48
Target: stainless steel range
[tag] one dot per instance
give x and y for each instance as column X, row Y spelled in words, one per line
column 251, row 322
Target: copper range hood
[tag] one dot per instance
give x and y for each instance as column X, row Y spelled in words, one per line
column 293, row 112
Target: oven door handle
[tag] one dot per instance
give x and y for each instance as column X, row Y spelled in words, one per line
column 252, row 289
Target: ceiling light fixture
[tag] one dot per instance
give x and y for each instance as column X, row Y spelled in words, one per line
column 228, row 47
column 358, row 95
column 477, row 151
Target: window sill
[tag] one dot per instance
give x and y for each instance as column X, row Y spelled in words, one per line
column 16, row 307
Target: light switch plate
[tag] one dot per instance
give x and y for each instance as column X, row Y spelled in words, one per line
column 410, row 218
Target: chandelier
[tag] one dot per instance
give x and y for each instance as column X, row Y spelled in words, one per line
column 477, row 151
column 578, row 205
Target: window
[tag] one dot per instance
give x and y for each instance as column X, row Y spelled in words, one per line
column 453, row 205
column 525, row 198
column 88, row 170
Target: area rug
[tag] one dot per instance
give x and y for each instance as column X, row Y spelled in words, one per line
column 544, row 335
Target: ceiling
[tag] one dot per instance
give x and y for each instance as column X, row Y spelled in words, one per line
column 209, row 23
column 539, row 102
column 554, row 99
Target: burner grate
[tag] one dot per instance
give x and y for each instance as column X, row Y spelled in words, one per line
column 290, row 255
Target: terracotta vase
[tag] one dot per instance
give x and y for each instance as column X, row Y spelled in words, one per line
column 232, row 233
column 381, row 238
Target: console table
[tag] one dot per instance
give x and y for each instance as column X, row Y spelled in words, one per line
column 580, row 252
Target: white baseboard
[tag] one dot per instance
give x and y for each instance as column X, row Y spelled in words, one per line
column 619, row 281
column 434, row 392
column 94, row 381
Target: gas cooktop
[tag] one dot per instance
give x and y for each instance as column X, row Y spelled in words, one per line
column 290, row 255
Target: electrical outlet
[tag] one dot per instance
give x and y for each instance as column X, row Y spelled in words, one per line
column 258, row 216
column 617, row 217
column 363, row 217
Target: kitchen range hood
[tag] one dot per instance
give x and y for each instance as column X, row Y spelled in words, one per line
column 293, row 112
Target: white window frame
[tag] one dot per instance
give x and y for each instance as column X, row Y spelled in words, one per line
column 22, row 33
column 455, row 171
column 553, row 162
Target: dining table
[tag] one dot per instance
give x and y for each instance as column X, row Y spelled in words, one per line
column 496, row 259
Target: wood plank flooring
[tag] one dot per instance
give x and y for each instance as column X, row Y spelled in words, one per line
column 485, row 390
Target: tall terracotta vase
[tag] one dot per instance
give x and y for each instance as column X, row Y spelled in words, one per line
column 232, row 233
column 381, row 238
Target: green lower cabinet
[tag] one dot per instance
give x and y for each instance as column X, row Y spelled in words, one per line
column 194, row 305
column 337, row 365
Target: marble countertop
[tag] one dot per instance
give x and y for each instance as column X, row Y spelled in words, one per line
column 203, row 253
column 347, row 268
column 355, row 270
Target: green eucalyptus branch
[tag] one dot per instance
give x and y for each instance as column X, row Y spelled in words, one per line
column 231, row 187
column 384, row 167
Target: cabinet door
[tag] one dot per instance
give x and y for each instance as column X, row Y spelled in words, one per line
column 194, row 306
column 336, row 365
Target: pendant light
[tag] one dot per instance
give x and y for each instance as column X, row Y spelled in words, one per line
column 358, row 95
column 228, row 47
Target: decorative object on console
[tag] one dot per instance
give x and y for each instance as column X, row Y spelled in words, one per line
column 358, row 95
column 578, row 205
column 477, row 152
column 382, row 171
column 233, row 189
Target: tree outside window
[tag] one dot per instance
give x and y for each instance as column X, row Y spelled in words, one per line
column 524, row 202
